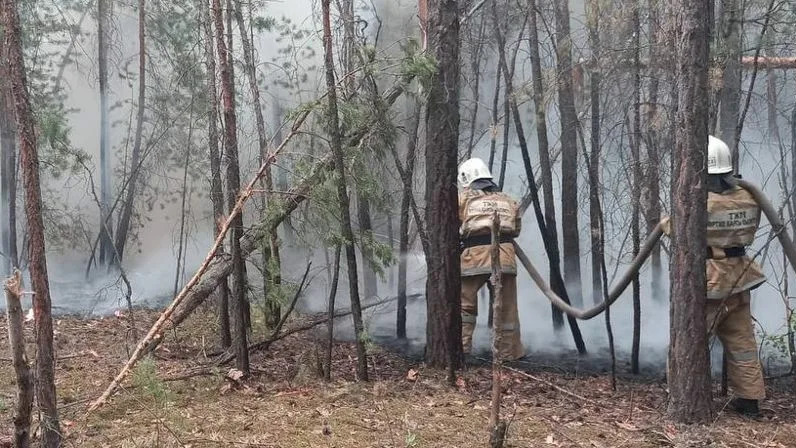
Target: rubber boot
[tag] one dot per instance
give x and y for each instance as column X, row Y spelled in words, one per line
column 746, row 407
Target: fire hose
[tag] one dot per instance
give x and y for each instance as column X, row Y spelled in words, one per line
column 652, row 239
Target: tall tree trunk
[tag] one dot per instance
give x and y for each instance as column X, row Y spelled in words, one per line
column 545, row 164
column 652, row 142
column 127, row 208
column 494, row 128
column 635, row 150
column 689, row 363
column 8, row 171
column 550, row 248
column 403, row 232
column 569, row 153
column 443, row 284
column 476, row 68
column 327, row 365
column 730, row 95
column 593, row 22
column 238, row 297
column 271, row 260
column 37, row 262
column 104, row 8
column 342, row 196
column 216, row 187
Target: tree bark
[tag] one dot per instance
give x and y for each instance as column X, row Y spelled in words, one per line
column 24, row 377
column 8, row 171
column 216, row 187
column 127, row 208
column 545, row 164
column 443, row 284
column 104, row 8
column 342, row 196
column 569, row 153
column 689, row 363
column 37, row 263
column 403, row 231
column 238, row 297
column 475, row 64
column 494, row 129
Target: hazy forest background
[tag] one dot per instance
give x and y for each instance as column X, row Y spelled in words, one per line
column 151, row 117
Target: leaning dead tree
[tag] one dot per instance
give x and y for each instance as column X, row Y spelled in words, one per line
column 217, row 267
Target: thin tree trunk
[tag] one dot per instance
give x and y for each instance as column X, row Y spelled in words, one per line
column 271, row 259
column 593, row 22
column 42, row 308
column 497, row 429
column 494, row 128
column 342, row 196
column 216, row 187
column 653, row 155
column 127, row 208
column 551, row 242
column 569, row 153
column 327, row 364
column 403, row 232
column 183, row 211
column 550, row 248
column 8, row 171
column 730, row 94
column 24, row 376
column 635, row 149
column 238, row 297
column 476, row 67
column 689, row 363
column 103, row 36
column 443, row 284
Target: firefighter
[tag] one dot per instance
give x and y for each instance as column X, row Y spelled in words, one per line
column 479, row 198
column 733, row 219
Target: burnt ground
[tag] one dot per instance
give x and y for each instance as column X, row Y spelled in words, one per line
column 179, row 398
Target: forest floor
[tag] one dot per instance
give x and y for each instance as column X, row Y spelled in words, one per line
column 175, row 399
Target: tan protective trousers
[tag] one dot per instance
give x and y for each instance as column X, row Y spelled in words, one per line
column 731, row 321
column 511, row 345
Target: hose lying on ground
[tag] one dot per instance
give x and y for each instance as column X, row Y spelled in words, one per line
column 615, row 292
column 762, row 201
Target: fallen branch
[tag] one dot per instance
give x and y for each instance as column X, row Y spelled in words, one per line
column 265, row 344
column 548, row 383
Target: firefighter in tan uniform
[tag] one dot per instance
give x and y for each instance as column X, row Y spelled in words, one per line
column 479, row 198
column 733, row 219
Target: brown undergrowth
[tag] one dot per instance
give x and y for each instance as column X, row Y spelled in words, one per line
column 179, row 399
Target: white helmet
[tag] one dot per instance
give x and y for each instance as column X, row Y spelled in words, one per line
column 471, row 170
column 719, row 156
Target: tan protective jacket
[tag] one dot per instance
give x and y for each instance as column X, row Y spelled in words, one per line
column 733, row 219
column 476, row 209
